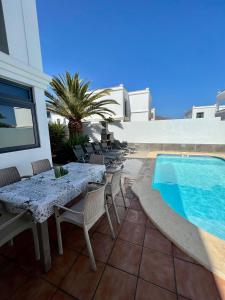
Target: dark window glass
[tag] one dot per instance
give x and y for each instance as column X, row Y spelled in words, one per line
column 48, row 114
column 200, row 115
column 18, row 127
column 3, row 37
column 8, row 90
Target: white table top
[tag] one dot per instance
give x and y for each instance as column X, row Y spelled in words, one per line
column 40, row 193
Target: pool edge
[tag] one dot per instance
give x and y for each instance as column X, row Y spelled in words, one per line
column 205, row 248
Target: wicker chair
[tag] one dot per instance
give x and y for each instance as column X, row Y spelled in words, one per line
column 97, row 159
column 40, row 166
column 13, row 224
column 85, row 214
column 113, row 188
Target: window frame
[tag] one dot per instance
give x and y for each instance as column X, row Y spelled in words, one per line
column 3, row 37
column 13, row 100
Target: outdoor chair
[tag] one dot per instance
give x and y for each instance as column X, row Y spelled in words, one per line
column 89, row 149
column 40, row 166
column 80, row 155
column 13, row 224
column 124, row 147
column 105, row 148
column 113, row 188
column 85, row 214
column 111, row 156
column 97, row 159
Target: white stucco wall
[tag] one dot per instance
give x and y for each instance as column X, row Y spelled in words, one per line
column 22, row 31
column 24, row 65
column 140, row 102
column 184, row 131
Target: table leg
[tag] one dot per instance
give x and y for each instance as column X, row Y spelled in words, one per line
column 44, row 245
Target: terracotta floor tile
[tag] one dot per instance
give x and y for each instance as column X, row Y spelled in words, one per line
column 59, row 295
column 148, row 291
column 180, row 254
column 81, row 281
column 35, row 288
column 27, row 261
column 104, row 227
column 60, row 265
column 135, row 204
column 74, row 239
column 11, row 278
column 132, row 232
column 194, row 281
column 220, row 283
column 136, row 216
column 157, row 268
column 126, row 257
column 156, row 241
column 119, row 200
column 182, row 298
column 116, row 285
column 102, row 246
column 150, row 224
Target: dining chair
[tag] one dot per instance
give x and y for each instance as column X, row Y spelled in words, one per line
column 85, row 214
column 113, row 188
column 40, row 166
column 13, row 224
column 80, row 155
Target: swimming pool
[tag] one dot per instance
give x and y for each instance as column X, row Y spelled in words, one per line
column 194, row 187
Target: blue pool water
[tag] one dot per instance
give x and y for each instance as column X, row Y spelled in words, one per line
column 194, row 187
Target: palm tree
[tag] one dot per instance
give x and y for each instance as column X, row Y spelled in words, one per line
column 72, row 99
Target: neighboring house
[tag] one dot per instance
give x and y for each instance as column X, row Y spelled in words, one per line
column 133, row 106
column 23, row 123
column 203, row 112
column 220, row 109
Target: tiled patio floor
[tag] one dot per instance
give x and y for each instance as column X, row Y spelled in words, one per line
column 140, row 264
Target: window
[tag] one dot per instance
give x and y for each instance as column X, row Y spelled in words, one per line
column 3, row 39
column 58, row 121
column 18, row 126
column 49, row 114
column 200, row 115
column 125, row 108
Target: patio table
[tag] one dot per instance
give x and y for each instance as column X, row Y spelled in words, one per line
column 40, row 193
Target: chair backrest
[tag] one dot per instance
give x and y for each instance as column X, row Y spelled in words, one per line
column 116, row 182
column 40, row 166
column 79, row 154
column 9, row 176
column 97, row 159
column 78, row 147
column 97, row 147
column 89, row 149
column 104, row 146
column 94, row 206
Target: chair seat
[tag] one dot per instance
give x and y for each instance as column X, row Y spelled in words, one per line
column 77, row 219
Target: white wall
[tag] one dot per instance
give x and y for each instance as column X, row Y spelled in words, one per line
column 22, row 31
column 24, row 65
column 184, row 131
column 140, row 105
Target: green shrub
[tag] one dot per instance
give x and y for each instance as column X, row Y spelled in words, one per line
column 78, row 139
column 57, row 137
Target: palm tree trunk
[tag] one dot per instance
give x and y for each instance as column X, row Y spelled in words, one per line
column 75, row 126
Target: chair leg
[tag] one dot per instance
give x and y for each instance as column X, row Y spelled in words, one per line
column 109, row 221
column 115, row 210
column 90, row 251
column 59, row 237
column 36, row 242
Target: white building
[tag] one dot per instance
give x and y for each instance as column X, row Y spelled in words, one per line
column 203, row 112
column 220, row 109
column 23, row 123
column 133, row 106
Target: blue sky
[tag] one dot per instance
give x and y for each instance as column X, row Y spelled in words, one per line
column 174, row 47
